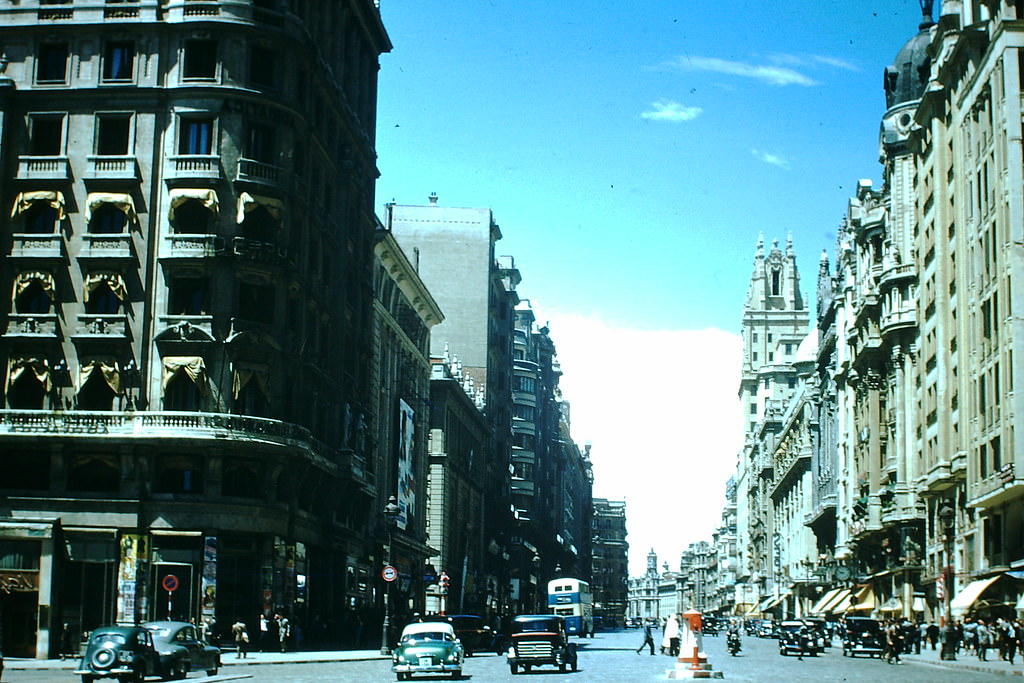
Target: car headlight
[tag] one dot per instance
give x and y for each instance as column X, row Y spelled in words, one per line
column 453, row 656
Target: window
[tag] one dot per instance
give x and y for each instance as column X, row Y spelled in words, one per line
column 94, row 473
column 527, row 384
column 187, row 296
column 108, row 220
column 40, row 219
column 776, row 284
column 180, row 475
column 192, row 217
column 182, row 394
column 262, row 66
column 200, row 59
column 102, row 300
column 113, row 134
column 261, row 145
column 118, row 61
column 34, row 298
column 256, row 303
column 46, row 133
column 52, row 63
column 753, row 409
column 27, row 391
column 523, row 412
column 242, row 480
column 196, row 135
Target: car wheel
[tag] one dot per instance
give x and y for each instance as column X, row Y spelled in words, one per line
column 513, row 668
column 563, row 667
column 86, row 678
column 211, row 672
column 457, row 675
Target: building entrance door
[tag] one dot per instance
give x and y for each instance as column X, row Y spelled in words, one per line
column 18, row 623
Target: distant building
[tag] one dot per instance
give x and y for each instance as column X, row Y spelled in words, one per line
column 610, row 553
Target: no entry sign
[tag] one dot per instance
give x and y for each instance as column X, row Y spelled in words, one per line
column 170, row 583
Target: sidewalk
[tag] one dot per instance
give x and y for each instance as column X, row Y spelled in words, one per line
column 228, row 659
column 969, row 662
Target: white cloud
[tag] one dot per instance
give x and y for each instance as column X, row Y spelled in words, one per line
column 772, row 74
column 668, row 110
column 661, row 412
column 836, row 62
column 769, row 158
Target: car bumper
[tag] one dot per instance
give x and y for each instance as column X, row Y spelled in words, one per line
column 864, row 650
column 106, row 673
column 425, row 669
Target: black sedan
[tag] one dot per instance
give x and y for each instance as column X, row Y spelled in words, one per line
column 127, row 653
column 182, row 650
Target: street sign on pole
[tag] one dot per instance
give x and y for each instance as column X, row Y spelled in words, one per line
column 389, row 573
column 170, row 583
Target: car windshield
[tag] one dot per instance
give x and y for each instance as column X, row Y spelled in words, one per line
column 161, row 631
column 536, row 625
column 118, row 638
column 870, row 627
column 424, row 636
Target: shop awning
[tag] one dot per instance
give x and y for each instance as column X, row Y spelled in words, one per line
column 970, row 594
column 772, row 602
column 839, row 602
column 118, row 200
column 819, row 606
column 865, row 601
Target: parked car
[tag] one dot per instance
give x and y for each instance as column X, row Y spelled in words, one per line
column 124, row 652
column 862, row 636
column 822, row 634
column 475, row 635
column 181, row 649
column 428, row 647
column 540, row 639
column 797, row 638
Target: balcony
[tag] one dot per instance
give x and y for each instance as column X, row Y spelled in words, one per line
column 189, row 328
column 107, row 246
column 896, row 274
column 258, row 172
column 43, row 168
column 191, row 246
column 996, row 488
column 256, row 251
column 112, row 168
column 901, row 318
column 46, row 246
column 101, row 327
column 192, row 167
column 32, row 326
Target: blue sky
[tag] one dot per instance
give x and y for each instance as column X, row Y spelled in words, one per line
column 632, row 153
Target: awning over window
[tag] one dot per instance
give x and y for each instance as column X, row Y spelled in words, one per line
column 775, row 601
column 24, row 200
column 247, row 202
column 112, row 280
column 819, row 606
column 118, row 200
column 970, row 594
column 17, row 366
column 180, row 195
column 864, row 602
column 193, row 366
column 24, row 280
column 840, row 602
column 111, row 374
column 244, row 375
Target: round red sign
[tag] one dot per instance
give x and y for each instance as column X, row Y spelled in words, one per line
column 389, row 573
column 170, row 583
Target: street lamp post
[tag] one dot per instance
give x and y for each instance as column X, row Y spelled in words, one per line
column 946, row 518
column 390, row 517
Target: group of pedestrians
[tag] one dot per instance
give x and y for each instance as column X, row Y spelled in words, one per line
column 982, row 636
column 273, row 633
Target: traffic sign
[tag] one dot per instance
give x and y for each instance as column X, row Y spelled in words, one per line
column 389, row 573
column 170, row 583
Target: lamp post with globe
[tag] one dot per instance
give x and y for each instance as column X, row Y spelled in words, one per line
column 947, row 519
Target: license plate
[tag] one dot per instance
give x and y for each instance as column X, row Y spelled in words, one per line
column 426, row 661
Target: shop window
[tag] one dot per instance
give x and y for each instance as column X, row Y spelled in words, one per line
column 102, row 300
column 96, row 393
column 94, row 473
column 52, row 63
column 113, row 134
column 200, row 59
column 182, row 394
column 195, row 135
column 180, row 475
column 118, row 60
column 187, row 296
column 108, row 220
column 26, row 472
column 34, row 298
column 47, row 135
column 256, row 303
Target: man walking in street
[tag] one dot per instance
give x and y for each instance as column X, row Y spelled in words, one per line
column 648, row 637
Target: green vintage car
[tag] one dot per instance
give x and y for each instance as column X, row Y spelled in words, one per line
column 429, row 648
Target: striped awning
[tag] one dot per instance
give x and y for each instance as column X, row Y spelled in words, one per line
column 819, row 607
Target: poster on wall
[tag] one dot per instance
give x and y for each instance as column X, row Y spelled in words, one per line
column 134, row 553
column 209, row 579
column 406, row 480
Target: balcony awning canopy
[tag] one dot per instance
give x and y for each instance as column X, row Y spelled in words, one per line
column 119, row 200
column 23, row 280
column 111, row 374
column 249, row 202
column 970, row 594
column 113, row 280
column 193, row 366
column 26, row 199
column 204, row 196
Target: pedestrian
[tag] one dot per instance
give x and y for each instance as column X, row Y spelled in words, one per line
column 241, row 636
column 283, row 630
column 670, row 640
column 648, row 638
column 264, row 637
column 933, row 634
column 984, row 640
column 1010, row 640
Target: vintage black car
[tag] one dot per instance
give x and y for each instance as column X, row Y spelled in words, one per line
column 862, row 636
column 539, row 639
column 475, row 635
column 123, row 652
column 181, row 649
column 797, row 638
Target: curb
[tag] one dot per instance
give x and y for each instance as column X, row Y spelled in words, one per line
column 966, row 667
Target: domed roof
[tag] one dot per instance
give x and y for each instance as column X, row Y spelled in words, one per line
column 906, row 79
column 807, row 352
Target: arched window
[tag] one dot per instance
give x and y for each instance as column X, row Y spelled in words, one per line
column 33, row 293
column 776, row 282
column 40, row 211
column 108, row 220
column 242, row 479
column 99, row 384
column 259, row 217
column 184, row 383
column 192, row 211
column 28, row 382
column 102, row 301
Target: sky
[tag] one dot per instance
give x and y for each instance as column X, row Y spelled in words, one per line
column 632, row 154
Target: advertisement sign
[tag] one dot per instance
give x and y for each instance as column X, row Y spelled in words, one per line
column 406, row 477
column 209, row 578
column 134, row 553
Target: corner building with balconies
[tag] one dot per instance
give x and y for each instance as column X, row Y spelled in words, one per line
column 188, row 238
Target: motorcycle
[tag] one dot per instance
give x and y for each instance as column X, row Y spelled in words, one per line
column 733, row 643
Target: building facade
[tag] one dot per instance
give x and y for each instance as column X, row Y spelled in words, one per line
column 189, row 245
column 610, row 569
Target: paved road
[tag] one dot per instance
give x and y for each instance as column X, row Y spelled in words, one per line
column 608, row 658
